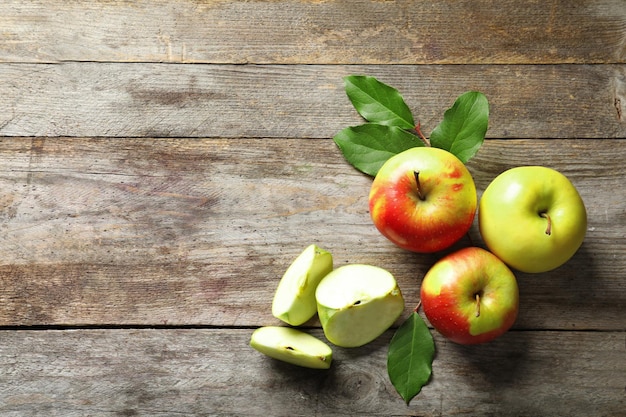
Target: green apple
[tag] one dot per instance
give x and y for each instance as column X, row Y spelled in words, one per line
column 292, row 346
column 470, row 296
column 356, row 303
column 294, row 300
column 423, row 199
column 532, row 218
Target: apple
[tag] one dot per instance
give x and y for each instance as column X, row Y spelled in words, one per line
column 293, row 346
column 532, row 218
column 423, row 199
column 294, row 300
column 356, row 303
column 470, row 296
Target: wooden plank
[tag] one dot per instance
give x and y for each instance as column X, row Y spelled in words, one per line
column 214, row 372
column 158, row 100
column 198, row 231
column 136, row 264
column 315, row 32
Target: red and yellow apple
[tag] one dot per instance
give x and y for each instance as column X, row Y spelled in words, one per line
column 423, row 199
column 470, row 296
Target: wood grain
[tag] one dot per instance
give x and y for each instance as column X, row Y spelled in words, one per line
column 200, row 372
column 315, row 32
column 163, row 162
column 198, row 231
column 159, row 100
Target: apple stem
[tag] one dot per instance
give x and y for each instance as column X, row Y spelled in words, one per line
column 420, row 195
column 419, row 304
column 418, row 130
column 549, row 227
column 477, row 305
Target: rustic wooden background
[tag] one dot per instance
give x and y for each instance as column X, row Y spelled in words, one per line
column 162, row 163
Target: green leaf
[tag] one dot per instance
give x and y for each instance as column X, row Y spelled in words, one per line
column 464, row 126
column 377, row 102
column 410, row 357
column 368, row 146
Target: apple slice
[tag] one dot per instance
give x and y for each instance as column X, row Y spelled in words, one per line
column 294, row 300
column 357, row 303
column 292, row 346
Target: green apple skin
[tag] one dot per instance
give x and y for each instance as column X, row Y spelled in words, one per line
column 292, row 346
column 443, row 216
column 294, row 300
column 356, row 303
column 449, row 293
column 533, row 218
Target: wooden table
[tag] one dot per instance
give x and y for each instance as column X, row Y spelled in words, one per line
column 163, row 162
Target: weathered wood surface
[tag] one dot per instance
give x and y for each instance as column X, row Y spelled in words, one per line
column 153, row 191
column 102, row 99
column 192, row 231
column 312, row 31
column 189, row 372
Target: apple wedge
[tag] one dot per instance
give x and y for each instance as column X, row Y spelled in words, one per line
column 293, row 346
column 294, row 300
column 357, row 303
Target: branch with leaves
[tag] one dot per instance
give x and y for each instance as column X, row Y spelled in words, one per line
column 390, row 127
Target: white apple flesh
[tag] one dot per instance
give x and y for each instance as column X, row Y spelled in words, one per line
column 292, row 346
column 357, row 303
column 294, row 300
